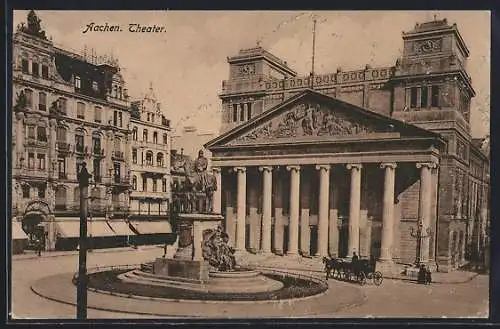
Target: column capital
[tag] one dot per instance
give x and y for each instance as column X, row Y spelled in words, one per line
column 430, row 165
column 217, row 170
column 240, row 169
column 266, row 168
column 391, row 165
column 323, row 166
column 293, row 168
column 357, row 166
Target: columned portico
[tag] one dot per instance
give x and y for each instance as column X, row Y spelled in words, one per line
column 354, row 208
column 388, row 212
column 267, row 192
column 293, row 224
column 425, row 206
column 324, row 188
column 241, row 208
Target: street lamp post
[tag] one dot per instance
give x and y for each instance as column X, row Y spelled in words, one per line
column 81, row 293
column 419, row 235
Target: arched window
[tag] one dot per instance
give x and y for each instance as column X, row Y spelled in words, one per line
column 79, row 141
column 134, row 182
column 155, row 137
column 60, row 198
column 149, row 158
column 159, row 159
column 96, row 143
column 134, row 133
column 145, row 135
column 29, row 97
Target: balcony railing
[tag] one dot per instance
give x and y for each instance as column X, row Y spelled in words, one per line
column 39, row 142
column 118, row 155
column 42, row 107
column 63, row 146
column 97, row 151
column 121, row 180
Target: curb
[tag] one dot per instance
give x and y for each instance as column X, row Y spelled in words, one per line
column 472, row 277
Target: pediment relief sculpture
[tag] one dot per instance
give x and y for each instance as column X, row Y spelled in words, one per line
column 308, row 119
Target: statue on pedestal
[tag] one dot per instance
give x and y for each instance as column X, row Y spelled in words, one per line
column 199, row 181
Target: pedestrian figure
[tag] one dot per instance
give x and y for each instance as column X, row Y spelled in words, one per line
column 39, row 247
column 354, row 256
column 428, row 276
column 422, row 275
column 165, row 251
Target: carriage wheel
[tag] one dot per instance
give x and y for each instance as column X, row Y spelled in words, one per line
column 362, row 278
column 378, row 278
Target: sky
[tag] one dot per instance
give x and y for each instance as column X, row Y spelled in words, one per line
column 187, row 63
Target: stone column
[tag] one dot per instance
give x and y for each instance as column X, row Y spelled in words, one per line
column 388, row 212
column 254, row 225
column 241, row 211
column 217, row 196
column 333, row 238
column 267, row 194
column 293, row 224
column 354, row 208
column 278, row 217
column 324, row 189
column 424, row 208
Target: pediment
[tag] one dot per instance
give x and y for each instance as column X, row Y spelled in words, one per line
column 311, row 121
column 315, row 117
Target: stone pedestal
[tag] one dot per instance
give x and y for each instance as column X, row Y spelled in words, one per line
column 178, row 268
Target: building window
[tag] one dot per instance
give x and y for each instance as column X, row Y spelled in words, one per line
column 63, row 105
column 115, row 118
column 149, row 158
column 134, row 133
column 144, row 184
column 26, row 191
column 78, row 82
column 152, row 117
column 242, row 112
column 149, row 116
column 41, row 134
column 35, row 69
column 45, row 71
column 97, row 114
column 31, row 132
column 61, row 167
column 80, row 110
column 159, row 159
column 134, row 156
column 25, row 66
column 235, row 112
column 145, row 135
column 164, row 185
column 41, row 192
column 120, row 119
column 424, row 97
column 29, row 97
column 41, row 161
column 155, row 137
column 31, row 160
column 413, row 97
column 42, row 101
column 95, row 86
column 97, row 170
column 134, row 182
column 249, row 111
column 154, row 185
column 61, row 134
column 435, row 96
column 117, row 171
column 96, row 144
column 79, row 142
column 165, row 139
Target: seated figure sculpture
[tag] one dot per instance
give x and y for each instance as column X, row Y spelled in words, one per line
column 217, row 251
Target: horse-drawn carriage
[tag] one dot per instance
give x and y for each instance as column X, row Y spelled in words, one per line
column 358, row 270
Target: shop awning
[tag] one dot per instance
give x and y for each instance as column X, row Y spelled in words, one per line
column 17, row 232
column 147, row 227
column 121, row 228
column 70, row 228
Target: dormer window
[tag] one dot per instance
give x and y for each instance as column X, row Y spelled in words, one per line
column 95, row 86
column 78, row 82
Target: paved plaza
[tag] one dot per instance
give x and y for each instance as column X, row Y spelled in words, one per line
column 394, row 298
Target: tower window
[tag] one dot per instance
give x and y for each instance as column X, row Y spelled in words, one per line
column 242, row 112
column 235, row 112
column 435, row 96
column 45, row 71
column 424, row 97
column 78, row 82
column 413, row 97
column 249, row 111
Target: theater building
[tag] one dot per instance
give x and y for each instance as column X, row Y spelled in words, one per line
column 379, row 160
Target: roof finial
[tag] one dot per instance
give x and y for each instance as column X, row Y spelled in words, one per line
column 151, row 85
column 259, row 41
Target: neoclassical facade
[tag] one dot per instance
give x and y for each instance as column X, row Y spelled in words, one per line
column 66, row 109
column 379, row 160
column 150, row 158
